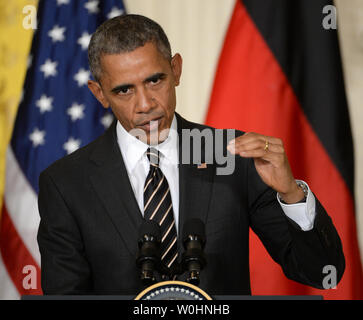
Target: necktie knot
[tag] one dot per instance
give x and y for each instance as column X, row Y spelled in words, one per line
column 154, row 156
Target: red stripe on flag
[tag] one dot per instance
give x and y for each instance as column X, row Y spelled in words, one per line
column 252, row 93
column 16, row 256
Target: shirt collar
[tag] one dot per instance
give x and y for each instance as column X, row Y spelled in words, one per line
column 133, row 149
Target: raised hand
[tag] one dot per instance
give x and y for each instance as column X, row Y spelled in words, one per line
column 270, row 161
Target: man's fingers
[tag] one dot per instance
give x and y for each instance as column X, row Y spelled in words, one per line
column 274, row 154
column 251, row 136
column 257, row 153
column 255, row 145
column 275, row 158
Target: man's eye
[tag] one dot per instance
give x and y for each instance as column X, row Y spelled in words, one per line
column 124, row 91
column 155, row 80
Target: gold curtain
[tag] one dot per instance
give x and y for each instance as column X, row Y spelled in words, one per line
column 15, row 43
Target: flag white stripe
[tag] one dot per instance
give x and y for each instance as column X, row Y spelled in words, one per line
column 8, row 290
column 24, row 214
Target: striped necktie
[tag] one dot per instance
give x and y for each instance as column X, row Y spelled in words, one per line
column 158, row 207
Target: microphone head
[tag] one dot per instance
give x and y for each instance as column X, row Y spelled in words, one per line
column 149, row 228
column 194, row 227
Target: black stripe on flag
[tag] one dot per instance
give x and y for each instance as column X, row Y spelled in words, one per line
column 310, row 58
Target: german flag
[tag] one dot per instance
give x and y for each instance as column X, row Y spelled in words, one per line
column 280, row 74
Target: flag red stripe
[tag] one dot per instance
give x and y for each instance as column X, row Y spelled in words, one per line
column 15, row 255
column 252, row 93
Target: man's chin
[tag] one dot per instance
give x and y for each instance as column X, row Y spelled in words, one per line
column 155, row 137
column 151, row 137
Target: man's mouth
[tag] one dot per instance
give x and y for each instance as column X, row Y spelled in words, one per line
column 151, row 124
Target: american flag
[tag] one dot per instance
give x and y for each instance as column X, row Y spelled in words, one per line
column 57, row 115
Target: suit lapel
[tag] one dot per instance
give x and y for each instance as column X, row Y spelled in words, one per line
column 195, row 186
column 112, row 184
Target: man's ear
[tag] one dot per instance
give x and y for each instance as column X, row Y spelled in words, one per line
column 96, row 89
column 176, row 66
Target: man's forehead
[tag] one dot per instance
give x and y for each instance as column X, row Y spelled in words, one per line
column 141, row 62
column 147, row 52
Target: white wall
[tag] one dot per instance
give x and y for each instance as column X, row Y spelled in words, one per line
column 350, row 31
column 196, row 30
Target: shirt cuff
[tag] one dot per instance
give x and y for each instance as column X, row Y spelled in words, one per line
column 301, row 213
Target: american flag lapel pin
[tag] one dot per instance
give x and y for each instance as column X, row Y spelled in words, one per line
column 202, row 166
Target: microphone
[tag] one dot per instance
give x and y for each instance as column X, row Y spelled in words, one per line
column 193, row 259
column 149, row 254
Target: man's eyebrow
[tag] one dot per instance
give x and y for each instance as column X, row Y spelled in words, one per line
column 121, row 87
column 155, row 76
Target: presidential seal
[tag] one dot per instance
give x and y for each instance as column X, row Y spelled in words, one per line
column 173, row 290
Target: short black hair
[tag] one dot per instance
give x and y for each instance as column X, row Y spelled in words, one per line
column 125, row 33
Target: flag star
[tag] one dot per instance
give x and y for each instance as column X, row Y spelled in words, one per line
column 57, row 33
column 71, row 145
column 60, row 2
column 82, row 77
column 49, row 68
column 44, row 103
column 84, row 40
column 106, row 120
column 92, row 6
column 76, row 111
column 37, row 137
column 114, row 12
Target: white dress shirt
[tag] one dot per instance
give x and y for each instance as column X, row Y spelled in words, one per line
column 137, row 166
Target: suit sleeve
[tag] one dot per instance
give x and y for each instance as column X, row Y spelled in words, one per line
column 301, row 254
column 64, row 269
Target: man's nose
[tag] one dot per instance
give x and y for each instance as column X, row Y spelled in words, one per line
column 145, row 101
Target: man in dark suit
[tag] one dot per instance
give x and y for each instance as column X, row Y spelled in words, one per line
column 93, row 202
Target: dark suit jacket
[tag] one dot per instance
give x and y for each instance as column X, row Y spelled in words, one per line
column 90, row 220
